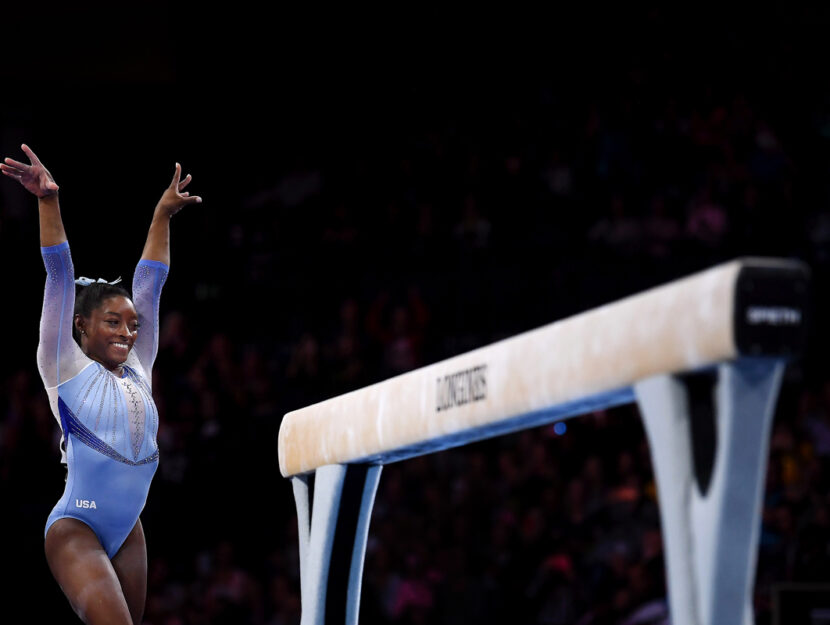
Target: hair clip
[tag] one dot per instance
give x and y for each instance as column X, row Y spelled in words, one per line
column 82, row 281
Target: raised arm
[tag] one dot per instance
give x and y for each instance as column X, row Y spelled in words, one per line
column 57, row 351
column 152, row 268
column 173, row 199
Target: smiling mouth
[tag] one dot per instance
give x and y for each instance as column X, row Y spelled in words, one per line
column 122, row 346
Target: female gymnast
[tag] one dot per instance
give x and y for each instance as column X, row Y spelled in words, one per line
column 96, row 365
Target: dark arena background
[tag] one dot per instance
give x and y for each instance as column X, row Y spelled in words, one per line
column 382, row 191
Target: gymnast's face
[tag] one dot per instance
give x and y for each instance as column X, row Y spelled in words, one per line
column 109, row 333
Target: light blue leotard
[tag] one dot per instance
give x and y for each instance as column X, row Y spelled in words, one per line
column 109, row 423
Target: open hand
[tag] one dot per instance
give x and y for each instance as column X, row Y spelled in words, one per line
column 35, row 177
column 175, row 197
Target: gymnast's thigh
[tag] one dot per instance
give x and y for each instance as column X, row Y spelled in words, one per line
column 85, row 574
column 130, row 564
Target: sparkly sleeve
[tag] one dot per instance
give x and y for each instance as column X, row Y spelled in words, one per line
column 148, row 279
column 57, row 350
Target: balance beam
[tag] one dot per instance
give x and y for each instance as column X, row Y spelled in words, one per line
column 737, row 323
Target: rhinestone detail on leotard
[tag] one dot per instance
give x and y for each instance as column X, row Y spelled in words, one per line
column 73, row 426
column 135, row 417
column 147, row 395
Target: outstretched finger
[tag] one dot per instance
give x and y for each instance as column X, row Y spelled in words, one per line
column 17, row 164
column 185, row 182
column 174, row 184
column 9, row 168
column 32, row 156
column 192, row 199
column 11, row 175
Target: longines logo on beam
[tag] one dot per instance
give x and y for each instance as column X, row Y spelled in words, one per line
column 461, row 388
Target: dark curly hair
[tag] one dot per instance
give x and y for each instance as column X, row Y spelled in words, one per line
column 88, row 298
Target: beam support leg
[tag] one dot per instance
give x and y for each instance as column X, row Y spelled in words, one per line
column 334, row 507
column 710, row 501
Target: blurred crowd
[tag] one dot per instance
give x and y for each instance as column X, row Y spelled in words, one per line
column 446, row 233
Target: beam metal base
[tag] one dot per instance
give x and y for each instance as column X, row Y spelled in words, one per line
column 334, row 507
column 710, row 499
